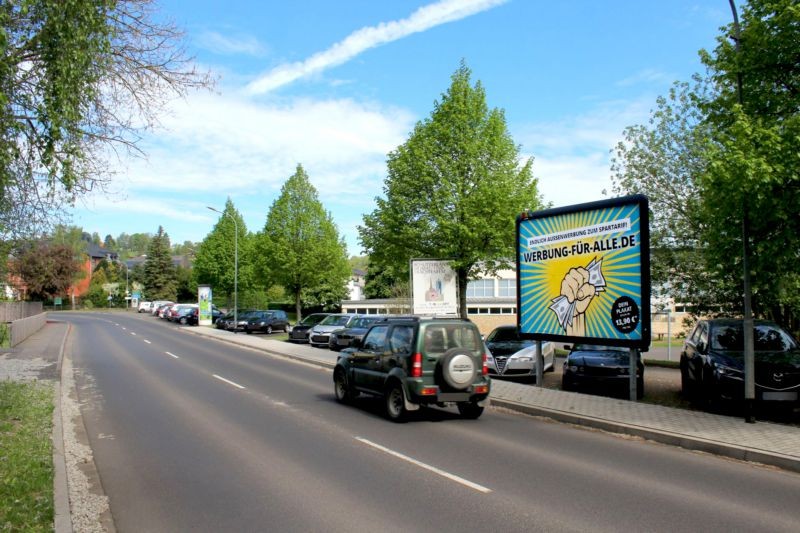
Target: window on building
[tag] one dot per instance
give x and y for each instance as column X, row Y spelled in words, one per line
column 481, row 288
column 507, row 287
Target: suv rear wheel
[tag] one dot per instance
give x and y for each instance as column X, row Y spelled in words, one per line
column 470, row 410
column 395, row 403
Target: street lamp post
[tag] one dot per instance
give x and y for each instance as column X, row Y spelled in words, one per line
column 235, row 266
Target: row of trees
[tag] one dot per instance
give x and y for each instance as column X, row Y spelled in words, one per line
column 720, row 161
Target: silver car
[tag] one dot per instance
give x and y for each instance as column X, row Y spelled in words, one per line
column 320, row 334
column 510, row 356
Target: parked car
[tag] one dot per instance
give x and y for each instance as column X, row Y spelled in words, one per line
column 144, row 307
column 222, row 321
column 712, row 363
column 513, row 357
column 194, row 318
column 267, row 322
column 165, row 310
column 182, row 313
column 342, row 338
column 301, row 330
column 156, row 306
column 590, row 367
column 320, row 334
column 414, row 361
column 241, row 320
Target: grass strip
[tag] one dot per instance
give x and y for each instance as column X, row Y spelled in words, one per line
column 26, row 457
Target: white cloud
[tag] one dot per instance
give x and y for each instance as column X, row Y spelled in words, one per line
column 221, row 144
column 572, row 157
column 363, row 39
column 229, row 45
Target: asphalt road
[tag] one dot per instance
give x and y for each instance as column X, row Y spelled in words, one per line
column 194, row 435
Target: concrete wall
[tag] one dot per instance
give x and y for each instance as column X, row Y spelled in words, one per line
column 23, row 328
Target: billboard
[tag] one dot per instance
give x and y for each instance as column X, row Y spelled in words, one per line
column 583, row 273
column 434, row 287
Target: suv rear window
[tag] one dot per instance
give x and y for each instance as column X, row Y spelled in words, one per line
column 440, row 338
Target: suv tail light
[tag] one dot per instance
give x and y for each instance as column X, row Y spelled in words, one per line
column 485, row 369
column 416, row 365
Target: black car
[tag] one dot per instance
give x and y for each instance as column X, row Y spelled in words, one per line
column 267, row 322
column 242, row 318
column 712, row 363
column 301, row 330
column 194, row 317
column 591, row 367
column 344, row 338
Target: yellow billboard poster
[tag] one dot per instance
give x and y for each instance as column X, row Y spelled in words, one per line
column 583, row 273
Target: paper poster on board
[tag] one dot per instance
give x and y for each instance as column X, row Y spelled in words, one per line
column 584, row 273
column 434, row 287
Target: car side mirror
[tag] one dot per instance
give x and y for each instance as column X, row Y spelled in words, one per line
column 356, row 343
column 701, row 347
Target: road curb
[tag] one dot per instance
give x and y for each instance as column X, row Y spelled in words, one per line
column 672, row 439
column 62, row 521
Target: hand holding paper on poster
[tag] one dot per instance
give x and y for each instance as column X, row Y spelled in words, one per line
column 578, row 289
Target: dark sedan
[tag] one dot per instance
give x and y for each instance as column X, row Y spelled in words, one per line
column 301, row 330
column 712, row 362
column 267, row 322
column 344, row 338
column 590, row 367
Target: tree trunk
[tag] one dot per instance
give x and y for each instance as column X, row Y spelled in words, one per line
column 297, row 307
column 461, row 273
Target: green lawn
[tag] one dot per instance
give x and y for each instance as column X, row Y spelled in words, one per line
column 26, row 457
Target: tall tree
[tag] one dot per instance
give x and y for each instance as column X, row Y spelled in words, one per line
column 453, row 191
column 216, row 257
column 47, row 269
column 713, row 153
column 753, row 174
column 78, row 80
column 301, row 247
column 159, row 274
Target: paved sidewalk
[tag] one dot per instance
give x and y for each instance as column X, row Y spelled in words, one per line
column 763, row 442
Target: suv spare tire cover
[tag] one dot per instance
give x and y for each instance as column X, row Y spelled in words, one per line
column 458, row 368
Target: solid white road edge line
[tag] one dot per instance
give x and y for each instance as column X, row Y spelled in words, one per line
column 229, row 382
column 172, row 355
column 452, row 477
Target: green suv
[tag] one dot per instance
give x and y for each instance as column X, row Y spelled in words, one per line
column 413, row 361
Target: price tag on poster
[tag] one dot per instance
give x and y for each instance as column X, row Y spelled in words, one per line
column 583, row 273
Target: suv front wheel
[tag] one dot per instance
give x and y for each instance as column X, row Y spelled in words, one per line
column 341, row 389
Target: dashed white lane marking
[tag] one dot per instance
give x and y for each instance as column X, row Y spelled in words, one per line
column 448, row 475
column 172, row 355
column 133, row 333
column 229, row 382
column 147, row 341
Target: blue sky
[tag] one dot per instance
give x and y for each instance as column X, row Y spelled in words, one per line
column 335, row 86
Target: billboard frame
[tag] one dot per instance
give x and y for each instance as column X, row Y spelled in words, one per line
column 564, row 223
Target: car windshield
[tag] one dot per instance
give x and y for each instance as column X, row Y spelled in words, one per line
column 363, row 322
column 335, row 320
column 509, row 337
column 598, row 348
column 313, row 320
column 766, row 338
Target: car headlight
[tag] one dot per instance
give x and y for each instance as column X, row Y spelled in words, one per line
column 728, row 372
column 524, row 359
column 575, row 368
